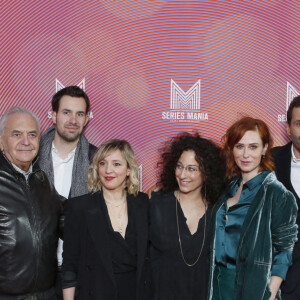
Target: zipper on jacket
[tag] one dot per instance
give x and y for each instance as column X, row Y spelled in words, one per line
column 35, row 234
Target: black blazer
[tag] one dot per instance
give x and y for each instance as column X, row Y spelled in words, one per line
column 87, row 262
column 282, row 158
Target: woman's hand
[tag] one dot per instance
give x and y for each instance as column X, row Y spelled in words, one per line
column 275, row 283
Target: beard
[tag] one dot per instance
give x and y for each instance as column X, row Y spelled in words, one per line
column 296, row 142
column 69, row 137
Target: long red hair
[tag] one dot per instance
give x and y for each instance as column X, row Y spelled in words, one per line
column 235, row 133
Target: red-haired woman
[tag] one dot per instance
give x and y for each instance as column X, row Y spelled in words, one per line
column 254, row 221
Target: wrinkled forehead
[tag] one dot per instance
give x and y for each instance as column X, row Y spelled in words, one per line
column 22, row 122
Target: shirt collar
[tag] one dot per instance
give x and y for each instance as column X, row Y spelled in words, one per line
column 257, row 180
column 70, row 155
column 26, row 174
column 294, row 158
column 252, row 183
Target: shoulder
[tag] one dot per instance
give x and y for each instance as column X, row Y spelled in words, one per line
column 278, row 192
column 92, row 151
column 141, row 199
column 161, row 198
column 80, row 202
column 92, row 148
column 281, row 150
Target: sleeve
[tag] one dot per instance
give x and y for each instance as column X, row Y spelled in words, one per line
column 284, row 231
column 71, row 247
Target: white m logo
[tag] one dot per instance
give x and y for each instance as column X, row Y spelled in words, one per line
column 182, row 100
column 59, row 85
column 291, row 93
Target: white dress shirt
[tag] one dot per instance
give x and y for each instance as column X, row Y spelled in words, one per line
column 62, row 169
column 295, row 173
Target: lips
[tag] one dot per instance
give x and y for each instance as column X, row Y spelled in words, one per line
column 109, row 178
column 72, row 127
column 183, row 182
column 246, row 162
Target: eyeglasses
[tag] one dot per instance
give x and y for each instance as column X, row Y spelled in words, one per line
column 188, row 169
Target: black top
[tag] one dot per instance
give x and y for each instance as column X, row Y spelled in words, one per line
column 123, row 254
column 172, row 278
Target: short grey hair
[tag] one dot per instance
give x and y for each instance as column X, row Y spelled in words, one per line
column 17, row 110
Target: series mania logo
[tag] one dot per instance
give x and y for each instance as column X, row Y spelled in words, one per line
column 291, row 93
column 184, row 106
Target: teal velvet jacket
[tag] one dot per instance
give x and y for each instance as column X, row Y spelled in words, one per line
column 269, row 227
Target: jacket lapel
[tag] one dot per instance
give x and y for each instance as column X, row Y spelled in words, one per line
column 284, row 166
column 97, row 230
column 255, row 207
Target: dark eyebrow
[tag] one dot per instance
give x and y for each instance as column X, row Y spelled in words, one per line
column 188, row 165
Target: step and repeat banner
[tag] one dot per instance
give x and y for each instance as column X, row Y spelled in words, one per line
column 153, row 68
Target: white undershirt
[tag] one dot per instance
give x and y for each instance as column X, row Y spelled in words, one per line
column 62, row 169
column 26, row 174
column 295, row 173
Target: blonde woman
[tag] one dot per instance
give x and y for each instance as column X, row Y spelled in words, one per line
column 106, row 231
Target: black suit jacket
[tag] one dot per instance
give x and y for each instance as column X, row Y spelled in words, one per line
column 282, row 158
column 87, row 262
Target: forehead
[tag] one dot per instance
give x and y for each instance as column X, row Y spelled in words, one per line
column 72, row 103
column 115, row 155
column 21, row 122
column 251, row 136
column 188, row 156
column 296, row 114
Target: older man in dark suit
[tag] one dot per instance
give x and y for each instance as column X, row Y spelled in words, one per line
column 287, row 161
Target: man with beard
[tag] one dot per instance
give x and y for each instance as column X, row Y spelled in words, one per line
column 65, row 153
column 287, row 161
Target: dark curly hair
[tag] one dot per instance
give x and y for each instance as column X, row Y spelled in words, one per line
column 207, row 154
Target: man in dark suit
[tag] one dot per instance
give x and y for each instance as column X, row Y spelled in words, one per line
column 287, row 161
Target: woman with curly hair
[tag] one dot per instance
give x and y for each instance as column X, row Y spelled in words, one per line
column 254, row 222
column 191, row 181
column 106, row 231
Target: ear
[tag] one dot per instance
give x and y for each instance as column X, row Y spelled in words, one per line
column 128, row 172
column 86, row 119
column 54, row 117
column 265, row 149
column 288, row 130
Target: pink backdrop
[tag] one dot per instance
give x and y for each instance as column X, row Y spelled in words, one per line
column 154, row 68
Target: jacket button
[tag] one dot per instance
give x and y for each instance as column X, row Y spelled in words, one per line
column 146, row 258
column 90, row 292
column 89, row 267
column 145, row 282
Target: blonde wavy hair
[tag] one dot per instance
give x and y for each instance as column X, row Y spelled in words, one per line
column 107, row 148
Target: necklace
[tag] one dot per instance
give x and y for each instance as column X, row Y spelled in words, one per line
column 113, row 204
column 179, row 239
column 117, row 218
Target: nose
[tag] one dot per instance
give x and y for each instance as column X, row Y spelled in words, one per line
column 25, row 140
column 183, row 173
column 108, row 168
column 73, row 119
column 245, row 153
